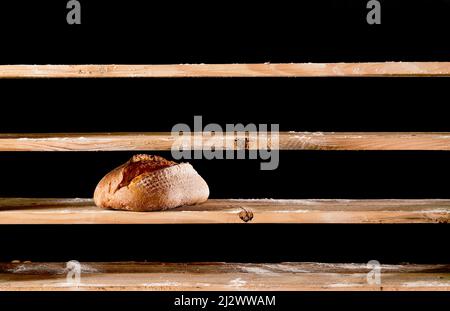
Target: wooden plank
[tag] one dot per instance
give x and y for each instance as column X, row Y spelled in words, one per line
column 376, row 69
column 83, row 211
column 291, row 276
column 226, row 141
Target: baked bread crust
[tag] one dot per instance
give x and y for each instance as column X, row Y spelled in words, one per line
column 150, row 183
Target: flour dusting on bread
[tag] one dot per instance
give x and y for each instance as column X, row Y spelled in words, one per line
column 150, row 183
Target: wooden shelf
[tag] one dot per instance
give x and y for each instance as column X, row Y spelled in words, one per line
column 238, row 141
column 380, row 69
column 132, row 276
column 83, row 211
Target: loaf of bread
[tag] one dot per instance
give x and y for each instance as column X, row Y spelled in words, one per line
column 150, row 183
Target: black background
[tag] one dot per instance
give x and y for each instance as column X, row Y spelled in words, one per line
column 134, row 31
column 229, row 31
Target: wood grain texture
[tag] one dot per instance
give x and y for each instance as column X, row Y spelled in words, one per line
column 288, row 276
column 226, row 141
column 83, row 211
column 384, row 69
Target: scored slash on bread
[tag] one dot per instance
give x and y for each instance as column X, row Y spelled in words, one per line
column 150, row 183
